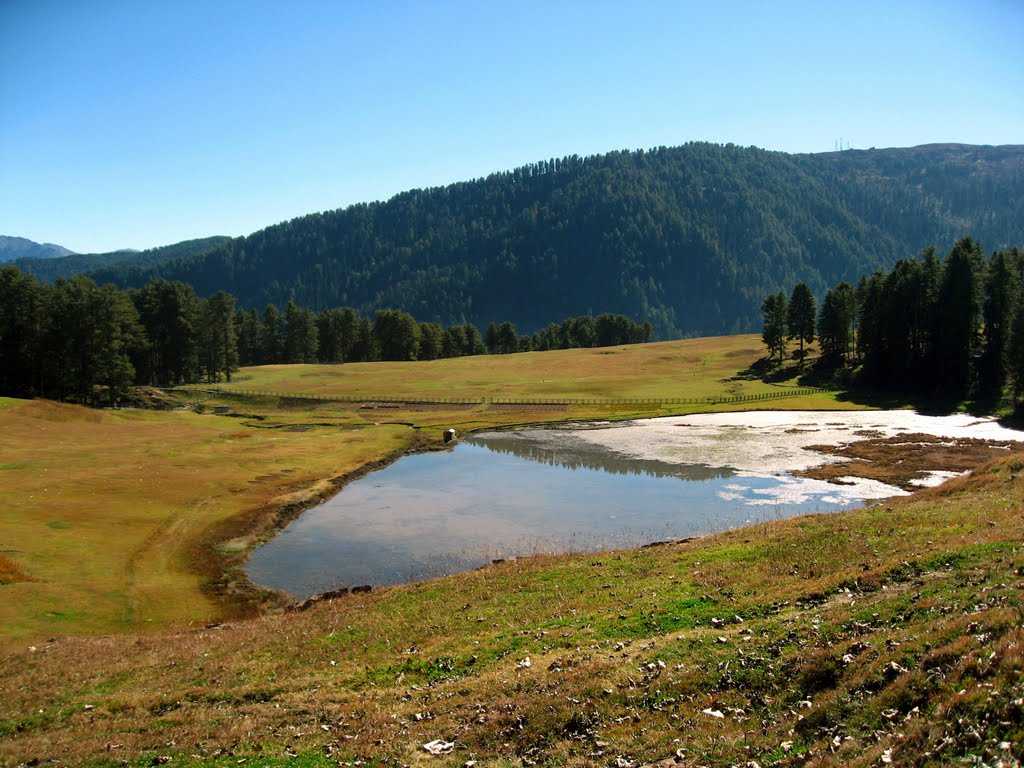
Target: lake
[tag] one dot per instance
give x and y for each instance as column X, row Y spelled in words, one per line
column 579, row 487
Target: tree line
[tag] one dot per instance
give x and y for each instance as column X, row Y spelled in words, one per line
column 948, row 327
column 76, row 340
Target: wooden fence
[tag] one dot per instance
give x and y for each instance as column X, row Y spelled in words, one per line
column 395, row 400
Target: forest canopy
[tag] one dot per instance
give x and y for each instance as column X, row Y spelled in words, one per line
column 690, row 238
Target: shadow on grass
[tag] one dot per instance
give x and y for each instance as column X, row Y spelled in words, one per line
column 811, row 373
column 934, row 405
column 771, row 372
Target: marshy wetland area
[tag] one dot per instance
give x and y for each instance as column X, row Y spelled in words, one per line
column 830, row 583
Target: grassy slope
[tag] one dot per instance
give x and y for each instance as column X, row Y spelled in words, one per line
column 101, row 511
column 890, row 628
column 688, row 369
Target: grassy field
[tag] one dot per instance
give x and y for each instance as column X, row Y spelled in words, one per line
column 693, row 368
column 115, row 520
column 891, row 632
column 104, row 515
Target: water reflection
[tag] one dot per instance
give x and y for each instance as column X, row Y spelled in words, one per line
column 501, row 495
column 561, row 448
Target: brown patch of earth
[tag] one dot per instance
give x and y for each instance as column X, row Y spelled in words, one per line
column 899, row 459
column 10, row 572
column 150, row 397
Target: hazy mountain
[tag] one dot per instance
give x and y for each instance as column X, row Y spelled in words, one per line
column 80, row 263
column 690, row 238
column 13, row 248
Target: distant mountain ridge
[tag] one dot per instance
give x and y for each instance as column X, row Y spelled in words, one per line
column 14, row 248
column 690, row 238
column 84, row 263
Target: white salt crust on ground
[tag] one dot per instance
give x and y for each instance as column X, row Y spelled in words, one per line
column 773, row 444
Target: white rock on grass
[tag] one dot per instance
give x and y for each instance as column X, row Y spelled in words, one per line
column 439, row 747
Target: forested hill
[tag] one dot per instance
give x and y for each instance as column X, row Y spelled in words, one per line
column 79, row 263
column 690, row 238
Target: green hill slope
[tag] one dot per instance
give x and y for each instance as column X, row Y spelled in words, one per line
column 690, row 238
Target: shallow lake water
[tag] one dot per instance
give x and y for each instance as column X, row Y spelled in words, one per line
column 577, row 488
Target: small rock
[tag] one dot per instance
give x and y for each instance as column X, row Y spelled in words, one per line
column 524, row 664
column 439, row 747
column 713, row 713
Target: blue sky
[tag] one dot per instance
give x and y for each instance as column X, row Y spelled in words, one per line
column 138, row 123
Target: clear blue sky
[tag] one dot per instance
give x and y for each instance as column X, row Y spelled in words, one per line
column 140, row 123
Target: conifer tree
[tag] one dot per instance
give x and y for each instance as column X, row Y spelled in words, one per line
column 800, row 316
column 1001, row 299
column 774, row 310
column 956, row 340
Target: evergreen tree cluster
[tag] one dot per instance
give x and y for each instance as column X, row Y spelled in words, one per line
column 948, row 327
column 76, row 340
column 691, row 238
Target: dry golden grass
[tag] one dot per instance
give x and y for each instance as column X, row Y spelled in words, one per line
column 691, row 368
column 105, row 510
